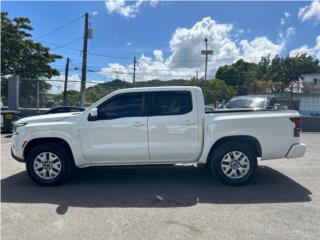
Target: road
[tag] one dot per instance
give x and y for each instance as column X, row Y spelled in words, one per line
column 180, row 202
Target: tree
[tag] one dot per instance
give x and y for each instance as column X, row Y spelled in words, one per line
column 229, row 74
column 217, row 91
column 240, row 74
column 22, row 56
column 275, row 74
column 214, row 90
column 72, row 98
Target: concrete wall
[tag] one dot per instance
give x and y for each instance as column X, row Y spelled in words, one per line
column 310, row 124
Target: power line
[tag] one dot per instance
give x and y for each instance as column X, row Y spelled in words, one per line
column 59, row 28
column 56, row 80
column 157, row 60
column 68, row 43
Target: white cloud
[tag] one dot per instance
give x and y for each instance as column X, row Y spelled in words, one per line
column 116, row 71
column 241, row 31
column 129, row 43
column 94, row 13
column 260, row 46
column 311, row 11
column 128, row 9
column 284, row 19
column 290, row 32
column 185, row 53
column 186, row 44
column 154, row 3
column 58, row 83
column 312, row 51
column 74, row 81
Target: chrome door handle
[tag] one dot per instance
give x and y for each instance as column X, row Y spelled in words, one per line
column 138, row 124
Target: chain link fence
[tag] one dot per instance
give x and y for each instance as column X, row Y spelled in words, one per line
column 40, row 94
column 4, row 91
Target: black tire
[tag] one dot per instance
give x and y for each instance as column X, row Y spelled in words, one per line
column 66, row 166
column 221, row 151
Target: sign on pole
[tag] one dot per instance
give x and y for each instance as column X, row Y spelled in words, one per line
column 207, row 52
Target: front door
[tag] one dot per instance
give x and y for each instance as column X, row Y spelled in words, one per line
column 119, row 134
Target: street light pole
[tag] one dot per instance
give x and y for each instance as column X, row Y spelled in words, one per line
column 66, row 72
column 134, row 72
column 84, row 61
column 206, row 66
column 206, row 52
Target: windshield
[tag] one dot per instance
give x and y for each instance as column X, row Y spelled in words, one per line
column 247, row 103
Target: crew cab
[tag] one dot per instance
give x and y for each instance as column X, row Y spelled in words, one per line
column 155, row 125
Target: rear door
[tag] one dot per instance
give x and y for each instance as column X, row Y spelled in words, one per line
column 173, row 126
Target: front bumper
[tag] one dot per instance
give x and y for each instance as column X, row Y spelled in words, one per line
column 16, row 158
column 17, row 146
column 296, row 150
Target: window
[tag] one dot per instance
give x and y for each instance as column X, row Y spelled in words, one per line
column 122, row 105
column 171, row 103
column 247, row 103
column 315, row 81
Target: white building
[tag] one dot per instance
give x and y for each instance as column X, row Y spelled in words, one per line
column 310, row 100
column 312, row 81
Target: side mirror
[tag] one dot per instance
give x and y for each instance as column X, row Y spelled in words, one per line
column 93, row 114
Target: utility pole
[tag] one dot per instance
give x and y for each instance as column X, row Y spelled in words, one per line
column 84, row 61
column 134, row 72
column 66, row 72
column 206, row 52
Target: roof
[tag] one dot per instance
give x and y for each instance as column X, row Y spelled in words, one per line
column 149, row 89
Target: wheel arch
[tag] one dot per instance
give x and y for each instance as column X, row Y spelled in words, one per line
column 252, row 141
column 37, row 141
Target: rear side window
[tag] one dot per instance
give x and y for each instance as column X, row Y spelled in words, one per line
column 171, row 103
column 123, row 105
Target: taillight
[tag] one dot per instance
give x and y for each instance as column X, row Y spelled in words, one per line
column 297, row 126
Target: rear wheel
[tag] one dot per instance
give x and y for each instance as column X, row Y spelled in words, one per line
column 234, row 163
column 49, row 164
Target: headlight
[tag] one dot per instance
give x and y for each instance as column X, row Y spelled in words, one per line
column 16, row 127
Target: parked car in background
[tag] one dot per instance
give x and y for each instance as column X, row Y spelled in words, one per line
column 209, row 109
column 65, row 109
column 257, row 102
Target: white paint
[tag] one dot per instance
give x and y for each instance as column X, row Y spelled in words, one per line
column 157, row 140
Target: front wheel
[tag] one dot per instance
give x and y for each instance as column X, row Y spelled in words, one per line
column 234, row 163
column 49, row 164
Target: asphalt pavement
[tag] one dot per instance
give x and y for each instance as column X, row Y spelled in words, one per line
column 179, row 202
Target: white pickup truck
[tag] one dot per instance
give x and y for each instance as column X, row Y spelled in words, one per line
column 156, row 125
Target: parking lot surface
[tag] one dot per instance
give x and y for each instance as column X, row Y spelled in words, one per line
column 180, row 202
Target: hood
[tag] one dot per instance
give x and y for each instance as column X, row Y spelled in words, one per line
column 47, row 117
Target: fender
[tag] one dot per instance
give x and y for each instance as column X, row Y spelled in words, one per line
column 66, row 131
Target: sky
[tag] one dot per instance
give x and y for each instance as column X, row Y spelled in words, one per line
column 167, row 37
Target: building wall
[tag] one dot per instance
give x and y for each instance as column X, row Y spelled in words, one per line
column 311, row 78
column 312, row 81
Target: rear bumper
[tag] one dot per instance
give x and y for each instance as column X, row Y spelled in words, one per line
column 296, row 150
